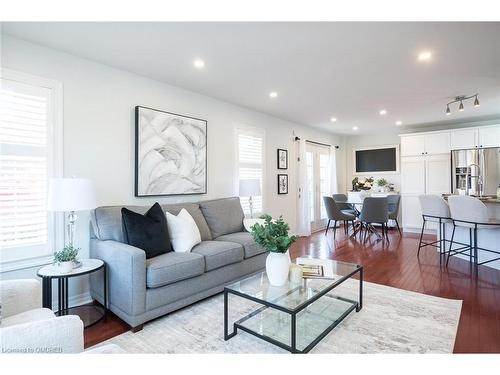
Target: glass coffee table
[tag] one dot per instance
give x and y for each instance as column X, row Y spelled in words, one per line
column 295, row 317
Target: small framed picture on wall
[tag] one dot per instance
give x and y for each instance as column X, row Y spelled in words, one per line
column 282, row 159
column 282, row 184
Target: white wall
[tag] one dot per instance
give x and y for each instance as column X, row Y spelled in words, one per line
column 99, row 106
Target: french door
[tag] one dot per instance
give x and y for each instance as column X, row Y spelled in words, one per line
column 317, row 159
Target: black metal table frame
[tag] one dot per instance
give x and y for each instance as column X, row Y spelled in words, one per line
column 358, row 305
column 62, row 292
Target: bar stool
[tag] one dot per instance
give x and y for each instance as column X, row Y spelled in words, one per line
column 470, row 213
column 435, row 210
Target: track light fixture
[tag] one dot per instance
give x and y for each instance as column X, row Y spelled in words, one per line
column 461, row 99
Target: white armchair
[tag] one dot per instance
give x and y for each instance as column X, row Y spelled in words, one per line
column 26, row 327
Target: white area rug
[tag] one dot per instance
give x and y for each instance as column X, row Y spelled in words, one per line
column 391, row 321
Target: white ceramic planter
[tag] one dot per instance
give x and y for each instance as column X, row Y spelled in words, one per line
column 277, row 267
column 65, row 267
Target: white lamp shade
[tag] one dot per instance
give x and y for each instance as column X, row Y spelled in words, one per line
column 250, row 188
column 71, row 194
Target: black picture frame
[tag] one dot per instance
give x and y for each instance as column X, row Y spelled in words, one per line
column 282, row 178
column 279, row 154
column 136, row 156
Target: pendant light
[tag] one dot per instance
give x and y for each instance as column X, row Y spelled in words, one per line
column 476, row 102
column 461, row 106
column 448, row 112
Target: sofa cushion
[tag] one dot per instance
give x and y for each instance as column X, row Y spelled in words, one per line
column 148, row 232
column 107, row 221
column 223, row 216
column 246, row 240
column 184, row 234
column 219, row 253
column 172, row 267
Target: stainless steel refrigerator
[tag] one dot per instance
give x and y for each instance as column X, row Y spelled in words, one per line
column 476, row 171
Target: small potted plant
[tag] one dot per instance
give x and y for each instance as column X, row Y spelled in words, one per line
column 65, row 258
column 382, row 183
column 273, row 236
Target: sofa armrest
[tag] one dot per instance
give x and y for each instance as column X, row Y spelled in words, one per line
column 17, row 296
column 126, row 268
column 54, row 335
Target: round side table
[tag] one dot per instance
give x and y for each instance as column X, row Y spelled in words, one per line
column 89, row 314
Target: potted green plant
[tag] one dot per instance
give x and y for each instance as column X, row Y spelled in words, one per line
column 382, row 183
column 65, row 258
column 273, row 236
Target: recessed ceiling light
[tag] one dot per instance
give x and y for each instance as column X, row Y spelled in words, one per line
column 383, row 112
column 199, row 63
column 398, row 123
column 354, row 128
column 425, row 56
column 273, row 94
column 333, row 119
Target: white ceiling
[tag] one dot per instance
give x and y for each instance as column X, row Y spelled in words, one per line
column 346, row 70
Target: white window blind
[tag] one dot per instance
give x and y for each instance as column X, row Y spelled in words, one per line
column 26, row 116
column 250, row 151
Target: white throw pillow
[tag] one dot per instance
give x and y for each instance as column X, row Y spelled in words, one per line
column 248, row 223
column 183, row 231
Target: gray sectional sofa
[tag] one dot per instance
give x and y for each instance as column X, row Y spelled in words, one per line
column 141, row 289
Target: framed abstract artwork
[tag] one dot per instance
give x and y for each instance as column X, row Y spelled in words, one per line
column 170, row 153
column 282, row 159
column 282, row 184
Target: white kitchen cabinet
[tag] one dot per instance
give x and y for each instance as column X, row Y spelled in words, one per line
column 464, row 138
column 424, row 174
column 425, row 144
column 412, row 185
column 489, row 136
column 437, row 143
column 437, row 174
column 413, row 175
column 412, row 145
column 412, row 214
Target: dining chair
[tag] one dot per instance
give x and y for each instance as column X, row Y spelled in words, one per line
column 334, row 213
column 393, row 201
column 374, row 211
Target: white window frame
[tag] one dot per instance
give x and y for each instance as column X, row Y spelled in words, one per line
column 16, row 259
column 236, row 184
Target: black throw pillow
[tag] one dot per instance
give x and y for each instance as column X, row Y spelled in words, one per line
column 148, row 232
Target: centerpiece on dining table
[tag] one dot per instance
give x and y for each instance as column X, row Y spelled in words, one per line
column 363, row 183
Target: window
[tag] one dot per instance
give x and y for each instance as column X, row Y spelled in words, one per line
column 29, row 149
column 250, row 165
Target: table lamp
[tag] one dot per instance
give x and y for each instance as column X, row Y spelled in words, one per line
column 70, row 195
column 250, row 188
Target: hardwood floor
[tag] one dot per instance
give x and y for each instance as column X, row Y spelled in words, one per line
column 395, row 264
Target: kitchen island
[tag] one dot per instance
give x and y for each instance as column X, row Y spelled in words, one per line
column 487, row 238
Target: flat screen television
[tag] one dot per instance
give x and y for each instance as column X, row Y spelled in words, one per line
column 376, row 160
